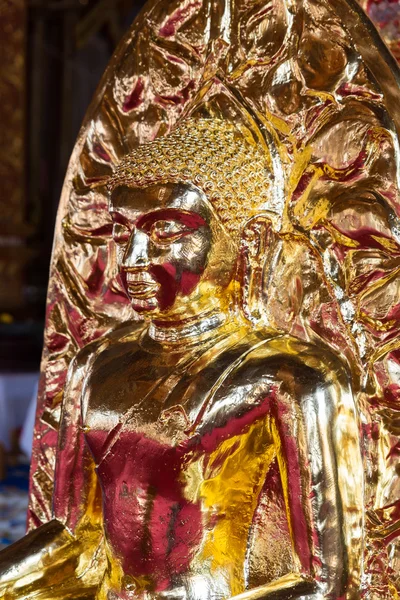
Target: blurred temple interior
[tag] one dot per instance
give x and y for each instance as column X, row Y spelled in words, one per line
column 54, row 54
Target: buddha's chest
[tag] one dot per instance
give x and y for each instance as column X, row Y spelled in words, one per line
column 147, row 396
column 172, row 424
column 178, row 453
column 148, row 415
column 169, row 474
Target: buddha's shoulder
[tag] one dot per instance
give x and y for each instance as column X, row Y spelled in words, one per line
column 113, row 344
column 277, row 373
column 265, row 358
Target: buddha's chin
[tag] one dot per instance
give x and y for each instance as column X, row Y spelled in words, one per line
column 144, row 306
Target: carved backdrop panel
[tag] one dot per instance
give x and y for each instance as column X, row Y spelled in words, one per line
column 240, row 162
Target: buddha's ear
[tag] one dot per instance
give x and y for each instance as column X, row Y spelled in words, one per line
column 257, row 242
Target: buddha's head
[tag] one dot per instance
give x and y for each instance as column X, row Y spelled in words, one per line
column 179, row 206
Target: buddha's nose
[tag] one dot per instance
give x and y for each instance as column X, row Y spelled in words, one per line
column 137, row 251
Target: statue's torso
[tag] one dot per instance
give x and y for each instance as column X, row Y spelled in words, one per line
column 186, row 463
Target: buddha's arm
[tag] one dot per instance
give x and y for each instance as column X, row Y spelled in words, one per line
column 316, row 434
column 287, row 587
column 63, row 555
column 330, row 472
column 307, row 400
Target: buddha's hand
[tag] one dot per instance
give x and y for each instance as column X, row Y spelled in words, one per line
column 198, row 587
column 176, row 594
column 288, row 587
column 258, row 594
column 202, row 591
column 207, row 587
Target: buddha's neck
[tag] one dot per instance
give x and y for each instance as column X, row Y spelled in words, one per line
column 199, row 327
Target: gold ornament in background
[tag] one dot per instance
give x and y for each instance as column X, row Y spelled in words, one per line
column 224, row 295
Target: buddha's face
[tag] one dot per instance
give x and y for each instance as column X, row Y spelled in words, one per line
column 174, row 256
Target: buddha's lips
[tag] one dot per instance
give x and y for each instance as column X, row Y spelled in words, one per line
column 141, row 285
column 161, row 282
column 142, row 289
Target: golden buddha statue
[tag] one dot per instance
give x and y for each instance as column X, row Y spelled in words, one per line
column 227, row 233
column 185, row 421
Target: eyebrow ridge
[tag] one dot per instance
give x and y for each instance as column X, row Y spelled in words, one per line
column 190, row 219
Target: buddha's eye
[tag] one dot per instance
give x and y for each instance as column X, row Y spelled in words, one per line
column 121, row 234
column 168, row 231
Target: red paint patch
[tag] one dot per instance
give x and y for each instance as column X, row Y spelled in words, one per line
column 134, row 99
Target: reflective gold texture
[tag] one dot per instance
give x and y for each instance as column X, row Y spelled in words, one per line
column 219, row 406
